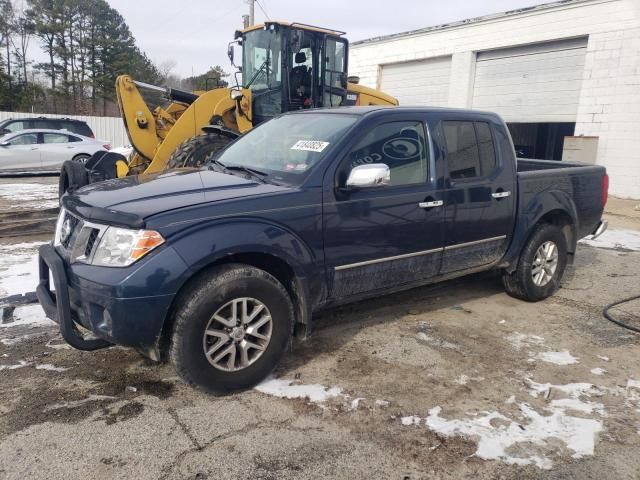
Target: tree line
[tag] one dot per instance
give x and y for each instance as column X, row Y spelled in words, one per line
column 84, row 45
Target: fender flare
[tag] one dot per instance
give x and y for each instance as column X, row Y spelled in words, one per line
column 219, row 242
column 530, row 215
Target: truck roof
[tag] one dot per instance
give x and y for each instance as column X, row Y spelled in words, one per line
column 366, row 110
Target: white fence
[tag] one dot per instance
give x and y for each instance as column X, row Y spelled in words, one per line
column 110, row 129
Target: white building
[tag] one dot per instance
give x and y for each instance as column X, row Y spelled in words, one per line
column 569, row 68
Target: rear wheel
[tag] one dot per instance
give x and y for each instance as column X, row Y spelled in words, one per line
column 540, row 266
column 73, row 175
column 231, row 328
column 194, row 152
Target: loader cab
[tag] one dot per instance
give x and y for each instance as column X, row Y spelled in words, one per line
column 292, row 67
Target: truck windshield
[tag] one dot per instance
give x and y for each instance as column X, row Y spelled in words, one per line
column 287, row 147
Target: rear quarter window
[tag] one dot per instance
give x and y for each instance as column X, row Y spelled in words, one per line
column 79, row 128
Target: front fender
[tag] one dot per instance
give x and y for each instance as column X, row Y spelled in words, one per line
column 529, row 214
column 205, row 244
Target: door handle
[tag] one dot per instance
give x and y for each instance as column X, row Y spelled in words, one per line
column 501, row 194
column 431, row 204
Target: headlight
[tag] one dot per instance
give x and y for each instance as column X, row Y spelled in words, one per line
column 120, row 247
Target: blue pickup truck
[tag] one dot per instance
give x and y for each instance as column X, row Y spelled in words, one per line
column 217, row 268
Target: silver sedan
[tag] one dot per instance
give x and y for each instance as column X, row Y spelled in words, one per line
column 45, row 150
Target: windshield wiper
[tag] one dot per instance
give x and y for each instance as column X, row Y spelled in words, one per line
column 221, row 166
column 229, row 169
column 251, row 171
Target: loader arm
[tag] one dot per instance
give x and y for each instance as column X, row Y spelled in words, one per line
column 156, row 135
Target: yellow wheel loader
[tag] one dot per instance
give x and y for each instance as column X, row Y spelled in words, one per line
column 285, row 67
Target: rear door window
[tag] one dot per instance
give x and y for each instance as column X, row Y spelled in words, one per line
column 79, row 128
column 55, row 138
column 470, row 149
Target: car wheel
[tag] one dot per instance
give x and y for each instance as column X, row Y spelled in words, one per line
column 82, row 158
column 73, row 176
column 540, row 267
column 231, row 328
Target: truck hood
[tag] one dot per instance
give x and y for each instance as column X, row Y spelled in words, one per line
column 128, row 201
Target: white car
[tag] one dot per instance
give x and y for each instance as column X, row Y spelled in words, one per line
column 45, row 150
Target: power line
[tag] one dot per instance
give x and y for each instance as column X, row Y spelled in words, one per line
column 263, row 10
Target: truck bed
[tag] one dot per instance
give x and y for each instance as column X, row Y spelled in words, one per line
column 579, row 181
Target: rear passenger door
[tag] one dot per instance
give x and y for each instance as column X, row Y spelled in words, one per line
column 56, row 148
column 479, row 195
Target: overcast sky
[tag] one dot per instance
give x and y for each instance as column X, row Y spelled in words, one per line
column 194, row 33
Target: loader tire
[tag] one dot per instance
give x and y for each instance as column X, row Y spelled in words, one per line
column 194, row 152
column 73, row 175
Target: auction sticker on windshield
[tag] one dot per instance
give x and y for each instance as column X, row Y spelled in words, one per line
column 310, row 145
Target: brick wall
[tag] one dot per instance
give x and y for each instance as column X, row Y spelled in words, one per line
column 609, row 105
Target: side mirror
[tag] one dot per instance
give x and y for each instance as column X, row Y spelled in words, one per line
column 231, row 53
column 235, row 93
column 371, row 175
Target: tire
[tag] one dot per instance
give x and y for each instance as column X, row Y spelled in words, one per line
column 209, row 298
column 73, row 175
column 530, row 281
column 81, row 158
column 194, row 152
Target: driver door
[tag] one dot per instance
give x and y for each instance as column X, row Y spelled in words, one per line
column 334, row 72
column 22, row 152
column 384, row 236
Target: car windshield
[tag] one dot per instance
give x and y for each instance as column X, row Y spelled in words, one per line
column 287, row 147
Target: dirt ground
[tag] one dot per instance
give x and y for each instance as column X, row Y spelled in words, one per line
column 453, row 381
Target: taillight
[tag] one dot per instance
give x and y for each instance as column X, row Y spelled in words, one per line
column 605, row 189
column 107, row 146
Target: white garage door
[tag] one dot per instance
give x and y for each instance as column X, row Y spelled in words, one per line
column 420, row 82
column 536, row 83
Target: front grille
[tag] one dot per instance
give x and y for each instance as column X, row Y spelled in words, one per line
column 91, row 241
column 76, row 237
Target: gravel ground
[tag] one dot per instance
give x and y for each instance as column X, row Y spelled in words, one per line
column 453, row 381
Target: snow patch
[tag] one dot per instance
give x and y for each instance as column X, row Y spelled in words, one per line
column 287, row 389
column 411, row 420
column 501, row 438
column 18, row 268
column 617, row 240
column 20, row 364
column 51, row 368
column 28, row 315
column 606, row 359
column 598, row 371
column 30, row 195
column 558, row 358
column 520, row 340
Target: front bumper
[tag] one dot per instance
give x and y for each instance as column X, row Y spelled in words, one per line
column 136, row 322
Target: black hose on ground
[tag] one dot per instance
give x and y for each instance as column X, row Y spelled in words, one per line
column 611, row 318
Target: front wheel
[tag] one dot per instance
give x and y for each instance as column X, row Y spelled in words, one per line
column 540, row 266
column 231, row 328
